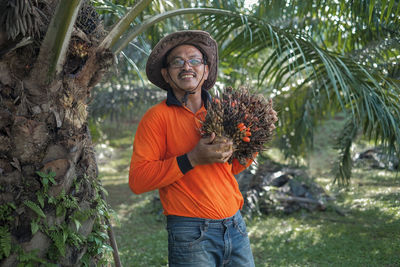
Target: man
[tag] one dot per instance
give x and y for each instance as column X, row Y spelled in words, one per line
column 198, row 191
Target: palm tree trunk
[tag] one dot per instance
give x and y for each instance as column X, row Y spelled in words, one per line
column 47, row 217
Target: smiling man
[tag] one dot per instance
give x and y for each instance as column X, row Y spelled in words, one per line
column 186, row 72
column 198, row 191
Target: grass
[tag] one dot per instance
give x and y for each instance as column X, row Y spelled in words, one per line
column 368, row 235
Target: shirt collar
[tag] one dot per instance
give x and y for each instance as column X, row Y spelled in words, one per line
column 172, row 100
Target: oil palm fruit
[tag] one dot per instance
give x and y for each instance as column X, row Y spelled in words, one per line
column 244, row 118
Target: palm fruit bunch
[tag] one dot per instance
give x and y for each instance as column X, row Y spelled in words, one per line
column 244, row 118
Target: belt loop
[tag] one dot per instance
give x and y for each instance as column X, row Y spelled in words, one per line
column 236, row 218
column 206, row 222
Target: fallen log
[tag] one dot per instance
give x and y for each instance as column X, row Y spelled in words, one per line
column 320, row 204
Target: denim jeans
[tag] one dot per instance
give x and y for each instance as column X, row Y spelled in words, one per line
column 198, row 242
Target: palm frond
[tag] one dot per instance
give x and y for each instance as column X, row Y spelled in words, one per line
column 330, row 77
column 344, row 163
column 130, row 61
column 347, row 25
column 133, row 33
column 56, row 40
column 123, row 24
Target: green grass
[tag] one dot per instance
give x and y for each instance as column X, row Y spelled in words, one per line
column 368, row 235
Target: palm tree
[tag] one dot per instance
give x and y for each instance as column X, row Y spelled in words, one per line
column 319, row 58
column 53, row 52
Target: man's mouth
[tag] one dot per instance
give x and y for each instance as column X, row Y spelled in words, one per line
column 185, row 75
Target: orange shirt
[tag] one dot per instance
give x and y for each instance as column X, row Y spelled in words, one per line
column 165, row 134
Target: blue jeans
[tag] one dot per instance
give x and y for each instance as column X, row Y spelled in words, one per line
column 198, row 242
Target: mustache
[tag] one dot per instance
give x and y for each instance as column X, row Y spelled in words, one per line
column 187, row 72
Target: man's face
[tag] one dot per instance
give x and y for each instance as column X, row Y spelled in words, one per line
column 186, row 70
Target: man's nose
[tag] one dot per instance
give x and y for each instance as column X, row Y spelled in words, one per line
column 186, row 65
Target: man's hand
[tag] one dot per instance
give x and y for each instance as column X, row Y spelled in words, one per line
column 207, row 152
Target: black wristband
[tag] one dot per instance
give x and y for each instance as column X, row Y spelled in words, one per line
column 184, row 163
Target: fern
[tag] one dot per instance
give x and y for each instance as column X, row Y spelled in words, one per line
column 40, row 198
column 30, row 258
column 34, row 226
column 70, row 202
column 5, row 242
column 64, row 202
column 46, row 177
column 6, row 212
column 75, row 239
column 81, row 216
column 59, row 238
column 60, row 210
column 33, row 206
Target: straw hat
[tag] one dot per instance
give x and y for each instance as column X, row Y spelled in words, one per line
column 199, row 39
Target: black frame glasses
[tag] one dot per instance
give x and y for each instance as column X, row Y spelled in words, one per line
column 180, row 62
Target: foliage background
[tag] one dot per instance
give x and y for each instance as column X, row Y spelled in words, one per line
column 316, row 59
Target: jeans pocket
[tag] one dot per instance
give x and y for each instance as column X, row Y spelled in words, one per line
column 241, row 227
column 186, row 246
column 185, row 236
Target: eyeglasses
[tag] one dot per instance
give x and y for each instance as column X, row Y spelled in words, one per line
column 179, row 62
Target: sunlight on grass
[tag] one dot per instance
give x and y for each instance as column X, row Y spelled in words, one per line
column 310, row 240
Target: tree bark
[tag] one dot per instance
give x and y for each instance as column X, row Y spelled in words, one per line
column 45, row 129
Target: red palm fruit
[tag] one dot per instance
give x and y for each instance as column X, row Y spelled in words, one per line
column 241, row 125
column 246, row 139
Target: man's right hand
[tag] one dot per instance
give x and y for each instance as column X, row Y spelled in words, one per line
column 207, row 152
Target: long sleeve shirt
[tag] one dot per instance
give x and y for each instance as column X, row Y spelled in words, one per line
column 165, row 134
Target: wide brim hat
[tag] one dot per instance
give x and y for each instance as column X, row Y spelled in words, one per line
column 199, row 39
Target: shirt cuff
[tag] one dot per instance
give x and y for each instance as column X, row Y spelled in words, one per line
column 184, row 163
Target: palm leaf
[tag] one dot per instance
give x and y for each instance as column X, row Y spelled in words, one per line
column 56, row 40
column 123, row 24
column 345, row 24
column 341, row 81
